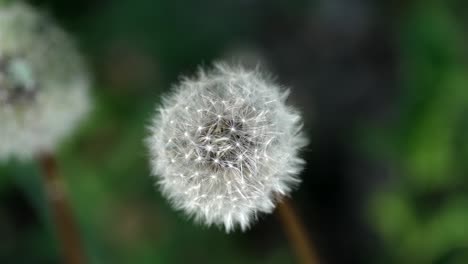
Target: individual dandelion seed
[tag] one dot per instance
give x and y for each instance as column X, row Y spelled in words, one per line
column 224, row 146
column 43, row 83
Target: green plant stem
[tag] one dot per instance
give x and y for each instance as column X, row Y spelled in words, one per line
column 297, row 234
column 66, row 228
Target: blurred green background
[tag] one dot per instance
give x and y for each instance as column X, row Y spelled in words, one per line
column 383, row 86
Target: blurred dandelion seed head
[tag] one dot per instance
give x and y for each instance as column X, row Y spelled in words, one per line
column 224, row 146
column 43, row 83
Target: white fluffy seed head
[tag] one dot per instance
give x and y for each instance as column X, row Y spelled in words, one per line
column 224, row 146
column 43, row 83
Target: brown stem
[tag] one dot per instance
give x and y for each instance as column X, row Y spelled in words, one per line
column 67, row 230
column 297, row 233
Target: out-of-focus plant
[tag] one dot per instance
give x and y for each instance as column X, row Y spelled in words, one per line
column 423, row 216
column 43, row 96
column 43, row 83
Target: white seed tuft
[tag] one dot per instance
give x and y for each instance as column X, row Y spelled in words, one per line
column 43, row 83
column 243, row 140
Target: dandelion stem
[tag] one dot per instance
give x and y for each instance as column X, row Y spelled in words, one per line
column 296, row 233
column 66, row 228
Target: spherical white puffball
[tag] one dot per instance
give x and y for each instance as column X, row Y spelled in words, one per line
column 224, row 146
column 43, row 83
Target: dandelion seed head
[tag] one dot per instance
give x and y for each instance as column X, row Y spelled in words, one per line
column 43, row 83
column 244, row 116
